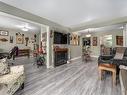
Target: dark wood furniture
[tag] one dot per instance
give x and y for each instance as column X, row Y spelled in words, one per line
column 60, row 49
column 23, row 52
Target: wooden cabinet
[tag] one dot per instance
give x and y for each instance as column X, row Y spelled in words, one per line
column 23, row 52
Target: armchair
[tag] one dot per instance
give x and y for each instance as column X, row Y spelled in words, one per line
column 123, row 79
column 106, row 56
column 122, row 61
column 12, row 81
column 110, row 58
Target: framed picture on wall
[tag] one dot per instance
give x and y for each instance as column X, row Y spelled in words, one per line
column 19, row 38
column 94, row 41
column 74, row 39
column 4, row 33
column 119, row 40
column 11, row 39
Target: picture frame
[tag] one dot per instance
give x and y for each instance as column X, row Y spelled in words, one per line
column 19, row 38
column 119, row 40
column 74, row 39
column 94, row 41
column 4, row 33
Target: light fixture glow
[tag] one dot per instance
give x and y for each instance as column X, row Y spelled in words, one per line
column 121, row 27
column 88, row 35
column 25, row 29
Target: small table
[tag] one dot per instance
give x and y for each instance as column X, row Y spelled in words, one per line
column 108, row 67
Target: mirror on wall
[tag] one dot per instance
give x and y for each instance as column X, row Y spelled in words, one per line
column 106, row 40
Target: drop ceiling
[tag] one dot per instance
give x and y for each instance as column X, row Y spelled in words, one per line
column 72, row 12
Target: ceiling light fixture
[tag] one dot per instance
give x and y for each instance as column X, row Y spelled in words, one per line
column 25, row 29
column 122, row 27
column 88, row 35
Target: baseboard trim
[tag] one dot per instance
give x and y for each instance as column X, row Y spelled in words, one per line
column 75, row 58
column 50, row 67
column 94, row 56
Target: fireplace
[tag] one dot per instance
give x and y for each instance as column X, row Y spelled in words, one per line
column 61, row 56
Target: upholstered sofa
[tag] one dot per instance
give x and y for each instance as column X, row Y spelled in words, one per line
column 122, row 61
column 110, row 57
column 107, row 56
column 123, row 79
column 11, row 82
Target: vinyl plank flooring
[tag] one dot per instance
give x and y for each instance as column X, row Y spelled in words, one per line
column 77, row 78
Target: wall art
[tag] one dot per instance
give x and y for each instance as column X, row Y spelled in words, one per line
column 19, row 38
column 94, row 41
column 4, row 33
column 3, row 40
column 11, row 39
column 74, row 39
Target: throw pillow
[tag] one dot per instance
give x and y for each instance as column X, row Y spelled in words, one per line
column 4, row 68
column 123, row 67
column 119, row 56
column 107, row 51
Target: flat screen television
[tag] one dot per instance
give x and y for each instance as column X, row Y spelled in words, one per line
column 60, row 38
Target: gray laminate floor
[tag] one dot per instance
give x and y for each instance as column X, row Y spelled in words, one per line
column 77, row 78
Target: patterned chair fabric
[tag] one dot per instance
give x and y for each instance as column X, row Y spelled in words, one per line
column 4, row 68
column 12, row 81
column 114, row 58
column 123, row 79
column 122, row 61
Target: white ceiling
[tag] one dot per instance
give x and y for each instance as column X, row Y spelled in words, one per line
column 10, row 22
column 118, row 27
column 72, row 12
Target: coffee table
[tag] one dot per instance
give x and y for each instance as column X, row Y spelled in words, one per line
column 108, row 67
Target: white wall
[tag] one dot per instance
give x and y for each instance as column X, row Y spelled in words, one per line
column 7, row 46
column 96, row 49
column 76, row 50
column 26, row 15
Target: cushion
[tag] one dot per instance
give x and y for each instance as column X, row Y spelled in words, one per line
column 119, row 55
column 107, row 51
column 123, row 67
column 124, row 78
column 9, row 78
column 4, row 68
column 120, row 49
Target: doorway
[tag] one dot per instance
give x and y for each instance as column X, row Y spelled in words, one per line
column 31, row 31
